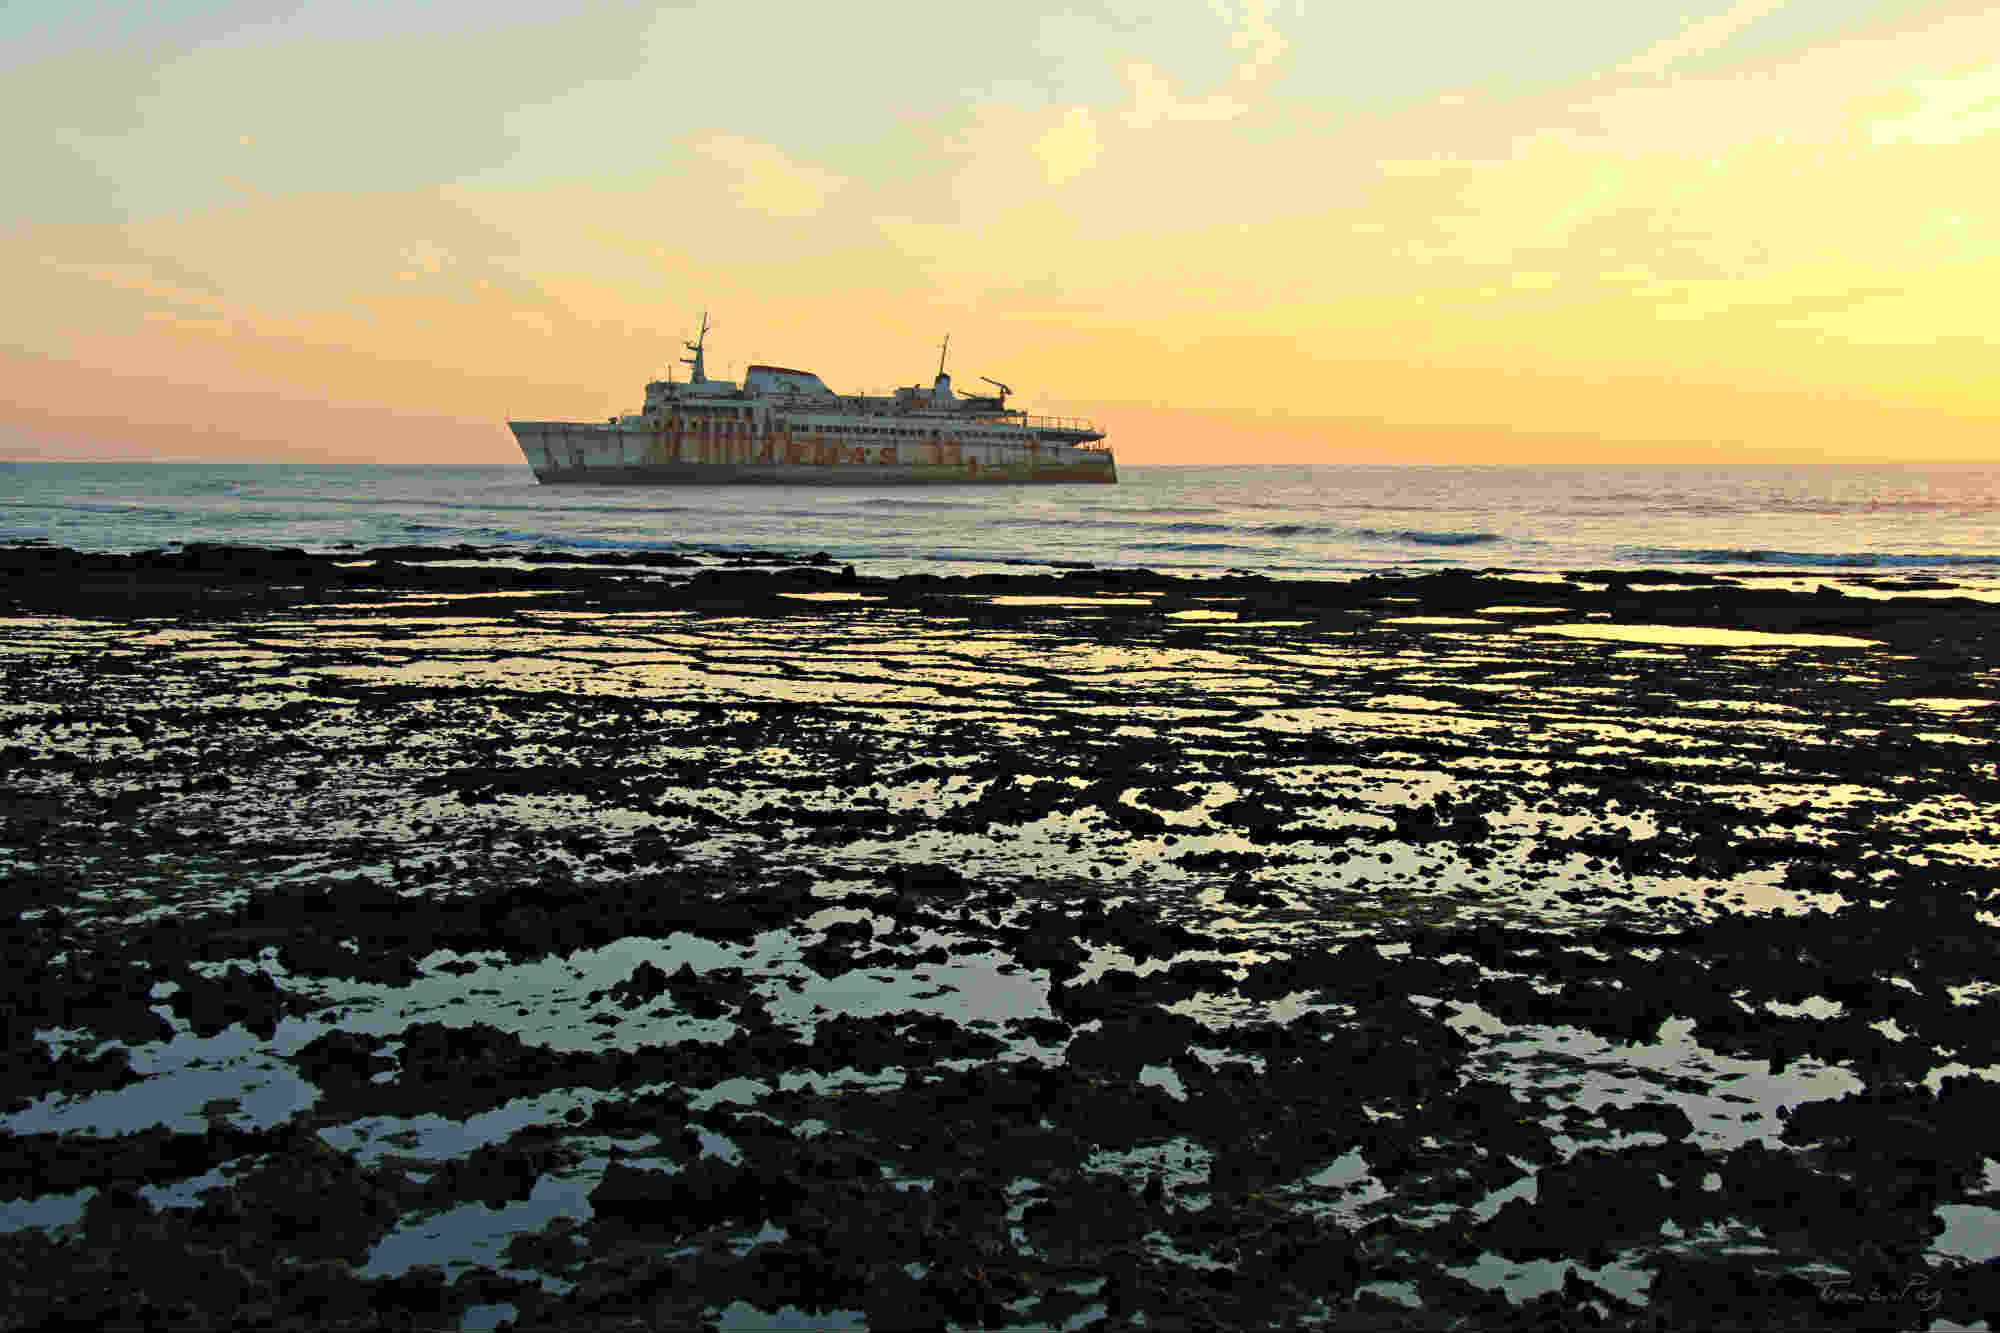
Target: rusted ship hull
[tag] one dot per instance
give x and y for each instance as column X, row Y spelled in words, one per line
column 575, row 453
column 784, row 426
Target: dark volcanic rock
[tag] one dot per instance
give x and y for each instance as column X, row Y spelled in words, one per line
column 314, row 1203
column 342, row 1059
column 702, row 1194
column 647, row 982
column 251, row 998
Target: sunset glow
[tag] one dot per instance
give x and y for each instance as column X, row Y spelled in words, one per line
column 1278, row 232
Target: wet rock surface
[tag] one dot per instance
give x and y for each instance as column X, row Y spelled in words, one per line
column 442, row 938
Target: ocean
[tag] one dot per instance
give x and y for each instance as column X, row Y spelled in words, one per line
column 1285, row 521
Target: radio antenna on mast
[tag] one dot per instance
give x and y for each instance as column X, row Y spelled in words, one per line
column 700, row 373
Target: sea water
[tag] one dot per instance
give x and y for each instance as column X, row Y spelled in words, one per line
column 1285, row 521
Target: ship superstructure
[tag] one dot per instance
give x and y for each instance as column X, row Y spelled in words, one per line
column 784, row 425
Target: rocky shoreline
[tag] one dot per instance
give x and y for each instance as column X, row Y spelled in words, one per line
column 437, row 937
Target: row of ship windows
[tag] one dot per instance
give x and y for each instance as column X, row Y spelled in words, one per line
column 896, row 430
column 899, row 431
column 919, row 435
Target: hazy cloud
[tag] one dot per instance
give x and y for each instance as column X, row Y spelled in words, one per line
column 1155, row 95
column 767, row 181
column 1259, row 38
column 1947, row 111
column 423, row 257
column 1156, row 102
column 1701, row 37
column 1071, row 148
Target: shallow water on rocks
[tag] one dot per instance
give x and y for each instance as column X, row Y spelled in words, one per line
column 594, row 954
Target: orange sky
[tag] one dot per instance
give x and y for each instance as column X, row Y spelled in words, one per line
column 1761, row 232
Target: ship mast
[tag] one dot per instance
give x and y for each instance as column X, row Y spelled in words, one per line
column 700, row 375
column 943, row 347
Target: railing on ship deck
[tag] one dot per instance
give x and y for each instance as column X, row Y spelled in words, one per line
column 1060, row 423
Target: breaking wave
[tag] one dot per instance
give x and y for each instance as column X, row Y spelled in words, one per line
column 111, row 510
column 1417, row 536
column 888, row 502
column 1422, row 538
column 568, row 541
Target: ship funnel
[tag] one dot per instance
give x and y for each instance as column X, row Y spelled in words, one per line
column 941, row 391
